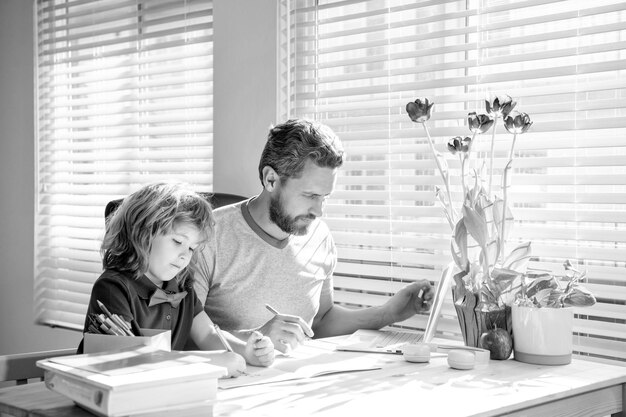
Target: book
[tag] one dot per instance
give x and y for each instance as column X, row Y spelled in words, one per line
column 132, row 381
column 312, row 359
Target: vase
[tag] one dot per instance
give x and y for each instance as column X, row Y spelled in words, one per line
column 543, row 336
column 476, row 318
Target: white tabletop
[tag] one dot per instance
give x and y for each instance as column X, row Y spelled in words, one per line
column 434, row 389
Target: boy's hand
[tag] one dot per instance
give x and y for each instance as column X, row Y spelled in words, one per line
column 234, row 363
column 259, row 350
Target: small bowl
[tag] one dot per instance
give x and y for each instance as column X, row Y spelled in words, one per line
column 461, row 359
column 418, row 352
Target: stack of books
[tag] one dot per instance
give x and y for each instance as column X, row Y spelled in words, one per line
column 133, row 381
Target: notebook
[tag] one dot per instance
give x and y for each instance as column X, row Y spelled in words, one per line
column 391, row 341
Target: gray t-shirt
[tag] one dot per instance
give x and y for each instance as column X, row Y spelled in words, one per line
column 244, row 268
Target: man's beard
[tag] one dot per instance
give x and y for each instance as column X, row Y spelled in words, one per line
column 284, row 221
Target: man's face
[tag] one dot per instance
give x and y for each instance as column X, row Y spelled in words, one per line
column 297, row 202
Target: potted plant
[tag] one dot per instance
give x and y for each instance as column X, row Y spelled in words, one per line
column 543, row 317
column 489, row 273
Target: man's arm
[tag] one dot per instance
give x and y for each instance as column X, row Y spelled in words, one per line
column 205, row 265
column 334, row 320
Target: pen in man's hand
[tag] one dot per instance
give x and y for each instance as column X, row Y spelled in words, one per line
column 222, row 338
column 272, row 309
column 307, row 330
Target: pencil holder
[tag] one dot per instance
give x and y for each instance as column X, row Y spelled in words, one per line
column 159, row 338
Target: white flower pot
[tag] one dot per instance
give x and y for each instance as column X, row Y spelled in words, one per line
column 542, row 336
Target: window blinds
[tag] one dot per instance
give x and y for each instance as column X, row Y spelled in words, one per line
column 355, row 65
column 124, row 97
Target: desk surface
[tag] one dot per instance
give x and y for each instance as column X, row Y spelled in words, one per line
column 510, row 388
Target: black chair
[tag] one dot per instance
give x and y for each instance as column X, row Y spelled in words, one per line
column 216, row 200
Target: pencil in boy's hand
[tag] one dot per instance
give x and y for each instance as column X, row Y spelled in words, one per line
column 222, row 338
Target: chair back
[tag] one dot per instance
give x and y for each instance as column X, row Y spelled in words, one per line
column 20, row 367
column 216, row 200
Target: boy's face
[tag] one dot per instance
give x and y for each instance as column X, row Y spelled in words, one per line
column 299, row 201
column 171, row 252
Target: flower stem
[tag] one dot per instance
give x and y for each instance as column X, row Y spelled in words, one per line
column 493, row 143
column 505, row 187
column 444, row 176
column 463, row 159
column 512, row 146
column 467, row 157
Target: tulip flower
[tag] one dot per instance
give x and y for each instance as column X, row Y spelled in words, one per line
column 419, row 111
column 515, row 123
column 461, row 146
column 499, row 106
column 479, row 123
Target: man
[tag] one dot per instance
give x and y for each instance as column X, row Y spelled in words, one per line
column 273, row 249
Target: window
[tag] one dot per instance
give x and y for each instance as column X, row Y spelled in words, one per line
column 124, row 97
column 355, row 64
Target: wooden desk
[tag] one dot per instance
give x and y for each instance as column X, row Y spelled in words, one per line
column 508, row 388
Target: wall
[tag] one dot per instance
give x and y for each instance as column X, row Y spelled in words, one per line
column 17, row 187
column 244, row 88
column 244, row 108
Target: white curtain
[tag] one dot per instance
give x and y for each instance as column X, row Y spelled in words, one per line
column 354, row 65
column 124, row 97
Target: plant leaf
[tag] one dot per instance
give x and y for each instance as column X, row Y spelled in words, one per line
column 486, row 210
column 460, row 239
column 444, row 202
column 541, row 282
column 476, row 225
column 490, row 252
column 549, row 297
column 507, row 284
column 518, row 258
column 497, row 216
column 579, row 297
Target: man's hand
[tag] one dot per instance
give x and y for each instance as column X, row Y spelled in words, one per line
column 410, row 300
column 286, row 331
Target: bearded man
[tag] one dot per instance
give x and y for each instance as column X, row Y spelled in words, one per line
column 274, row 249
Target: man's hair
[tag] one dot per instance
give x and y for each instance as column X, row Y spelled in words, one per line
column 291, row 144
column 152, row 210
